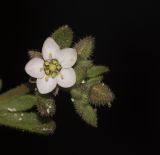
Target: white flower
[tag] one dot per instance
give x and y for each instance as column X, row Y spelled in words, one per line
column 55, row 67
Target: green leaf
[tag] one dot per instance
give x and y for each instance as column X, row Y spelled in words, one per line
column 86, row 112
column 27, row 121
column 13, row 93
column 63, row 36
column 96, row 71
column 81, row 70
column 92, row 81
column 78, row 93
column 21, row 103
column 81, row 104
column 80, row 73
column 90, row 116
column 85, row 48
column 85, row 63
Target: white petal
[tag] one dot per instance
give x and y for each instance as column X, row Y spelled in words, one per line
column 46, row 86
column 35, row 68
column 50, row 49
column 68, row 57
column 66, row 77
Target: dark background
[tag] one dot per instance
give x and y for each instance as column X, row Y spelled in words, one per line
column 127, row 40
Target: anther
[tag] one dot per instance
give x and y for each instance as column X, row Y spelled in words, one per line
column 54, row 75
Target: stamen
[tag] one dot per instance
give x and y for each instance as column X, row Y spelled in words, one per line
column 52, row 68
column 54, row 61
column 46, row 63
column 47, row 71
column 59, row 67
column 54, row 75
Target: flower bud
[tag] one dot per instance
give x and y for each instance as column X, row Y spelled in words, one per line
column 101, row 95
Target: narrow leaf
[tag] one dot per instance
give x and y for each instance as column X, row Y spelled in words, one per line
column 96, row 71
column 13, row 93
column 28, row 122
column 80, row 73
column 78, row 93
column 86, row 112
column 81, row 70
column 21, row 103
column 92, row 81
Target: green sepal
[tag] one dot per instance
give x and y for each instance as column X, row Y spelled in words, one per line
column 85, row 48
column 21, row 103
column 96, row 71
column 27, row 122
column 63, row 36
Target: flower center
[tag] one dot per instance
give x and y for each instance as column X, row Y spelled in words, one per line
column 52, row 67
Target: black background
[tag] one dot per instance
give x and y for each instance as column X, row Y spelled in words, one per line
column 127, row 38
